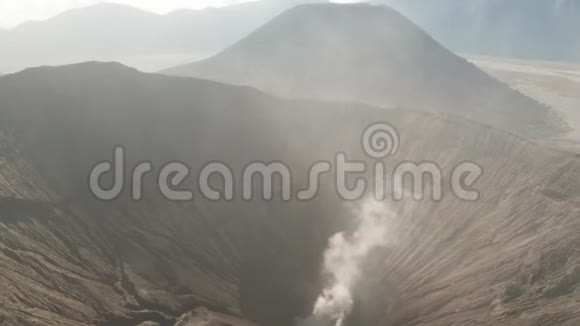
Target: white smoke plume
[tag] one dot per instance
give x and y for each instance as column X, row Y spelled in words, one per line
column 344, row 259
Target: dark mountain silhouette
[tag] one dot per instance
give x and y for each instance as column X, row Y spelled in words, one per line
column 68, row 259
column 531, row 29
column 371, row 54
column 112, row 32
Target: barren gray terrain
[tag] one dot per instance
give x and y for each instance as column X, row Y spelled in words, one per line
column 552, row 83
column 510, row 258
column 299, row 90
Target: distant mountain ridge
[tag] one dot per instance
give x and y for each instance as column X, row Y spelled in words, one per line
column 368, row 53
column 528, row 29
column 113, row 32
column 110, row 32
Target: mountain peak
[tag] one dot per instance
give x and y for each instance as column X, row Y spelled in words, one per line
column 365, row 52
column 103, row 10
column 335, row 10
column 106, row 9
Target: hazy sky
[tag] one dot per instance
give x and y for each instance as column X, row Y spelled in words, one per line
column 14, row 12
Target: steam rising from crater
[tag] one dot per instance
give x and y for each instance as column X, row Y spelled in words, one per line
column 344, row 259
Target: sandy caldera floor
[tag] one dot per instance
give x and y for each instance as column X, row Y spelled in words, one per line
column 552, row 83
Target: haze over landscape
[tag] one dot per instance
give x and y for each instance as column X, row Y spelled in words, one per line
column 157, row 34
column 448, row 86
